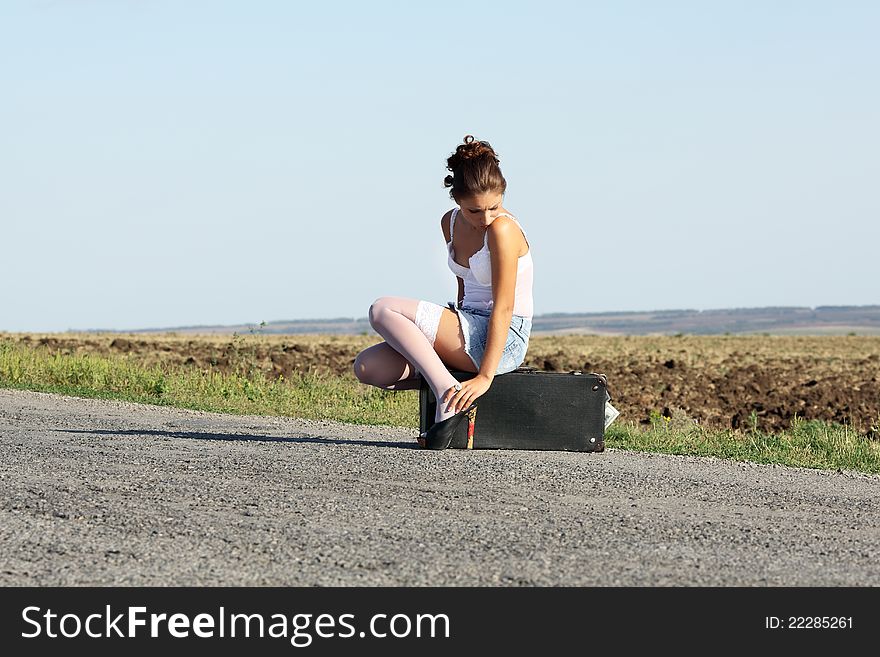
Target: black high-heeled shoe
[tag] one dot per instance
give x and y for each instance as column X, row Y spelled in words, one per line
column 440, row 435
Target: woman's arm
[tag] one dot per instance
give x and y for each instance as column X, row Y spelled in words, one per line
column 503, row 249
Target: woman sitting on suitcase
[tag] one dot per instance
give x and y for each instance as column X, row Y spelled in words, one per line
column 487, row 331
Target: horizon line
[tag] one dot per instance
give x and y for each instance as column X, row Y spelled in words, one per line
column 547, row 315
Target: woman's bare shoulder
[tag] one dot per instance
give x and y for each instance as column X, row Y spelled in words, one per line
column 503, row 228
column 505, row 233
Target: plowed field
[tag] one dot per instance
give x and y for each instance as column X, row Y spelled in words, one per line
column 718, row 382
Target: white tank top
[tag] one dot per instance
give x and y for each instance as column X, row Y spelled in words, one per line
column 478, row 276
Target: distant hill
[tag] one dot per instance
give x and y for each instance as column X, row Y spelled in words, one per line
column 822, row 320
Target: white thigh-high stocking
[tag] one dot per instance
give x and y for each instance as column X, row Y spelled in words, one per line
column 394, row 319
column 382, row 366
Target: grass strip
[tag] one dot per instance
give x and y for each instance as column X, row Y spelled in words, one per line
column 809, row 444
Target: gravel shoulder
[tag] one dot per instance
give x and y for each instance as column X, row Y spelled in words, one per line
column 96, row 492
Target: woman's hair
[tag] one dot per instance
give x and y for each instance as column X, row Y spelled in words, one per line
column 475, row 170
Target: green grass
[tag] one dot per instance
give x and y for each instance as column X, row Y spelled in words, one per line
column 308, row 395
column 809, row 444
column 806, row 444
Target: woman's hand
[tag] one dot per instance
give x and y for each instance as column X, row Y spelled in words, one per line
column 458, row 400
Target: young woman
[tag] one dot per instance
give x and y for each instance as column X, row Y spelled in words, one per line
column 487, row 331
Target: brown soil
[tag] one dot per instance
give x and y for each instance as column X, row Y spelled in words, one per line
column 719, row 382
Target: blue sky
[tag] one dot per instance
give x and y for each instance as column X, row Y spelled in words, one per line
column 183, row 163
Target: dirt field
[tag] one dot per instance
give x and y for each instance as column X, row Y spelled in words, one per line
column 720, row 382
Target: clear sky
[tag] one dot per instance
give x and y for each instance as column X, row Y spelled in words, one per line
column 170, row 162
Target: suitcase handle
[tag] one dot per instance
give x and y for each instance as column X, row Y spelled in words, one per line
column 602, row 378
column 532, row 370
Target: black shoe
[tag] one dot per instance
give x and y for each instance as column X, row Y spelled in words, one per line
column 439, row 436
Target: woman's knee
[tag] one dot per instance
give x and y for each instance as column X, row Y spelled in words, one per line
column 381, row 366
column 383, row 306
column 377, row 308
column 358, row 368
column 362, row 368
column 368, row 367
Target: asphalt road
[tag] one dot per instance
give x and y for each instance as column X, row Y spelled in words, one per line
column 112, row 493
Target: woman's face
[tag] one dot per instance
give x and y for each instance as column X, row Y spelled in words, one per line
column 480, row 210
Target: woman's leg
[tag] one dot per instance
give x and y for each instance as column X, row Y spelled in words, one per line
column 394, row 319
column 449, row 343
column 381, row 366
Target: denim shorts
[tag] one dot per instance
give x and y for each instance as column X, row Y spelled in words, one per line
column 475, row 328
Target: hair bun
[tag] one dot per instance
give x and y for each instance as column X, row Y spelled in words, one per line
column 474, row 166
column 471, row 149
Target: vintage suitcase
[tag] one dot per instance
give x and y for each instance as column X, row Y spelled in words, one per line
column 531, row 409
